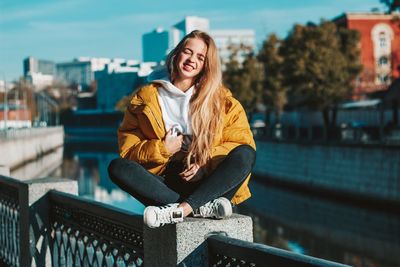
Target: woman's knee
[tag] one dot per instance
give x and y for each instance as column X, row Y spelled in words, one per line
column 246, row 153
column 121, row 169
column 114, row 167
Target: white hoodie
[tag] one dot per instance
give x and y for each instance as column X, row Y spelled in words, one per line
column 174, row 102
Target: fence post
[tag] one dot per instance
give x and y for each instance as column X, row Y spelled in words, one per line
column 184, row 244
column 39, row 226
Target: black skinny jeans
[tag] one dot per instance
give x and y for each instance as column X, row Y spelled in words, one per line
column 156, row 190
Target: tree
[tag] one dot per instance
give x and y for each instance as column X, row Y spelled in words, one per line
column 320, row 67
column 391, row 5
column 271, row 59
column 65, row 96
column 25, row 90
column 244, row 79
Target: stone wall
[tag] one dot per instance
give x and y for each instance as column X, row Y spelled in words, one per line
column 368, row 170
column 20, row 146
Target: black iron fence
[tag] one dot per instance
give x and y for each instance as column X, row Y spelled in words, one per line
column 14, row 222
column 61, row 229
column 65, row 230
column 88, row 233
column 226, row 251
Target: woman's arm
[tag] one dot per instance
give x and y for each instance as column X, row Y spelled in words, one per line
column 134, row 145
column 236, row 132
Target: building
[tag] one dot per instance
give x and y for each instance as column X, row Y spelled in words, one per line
column 33, row 65
column 155, row 45
column 15, row 115
column 380, row 49
column 187, row 25
column 40, row 73
column 76, row 72
column 80, row 71
column 242, row 39
column 39, row 80
column 158, row 43
column 119, row 79
column 5, row 86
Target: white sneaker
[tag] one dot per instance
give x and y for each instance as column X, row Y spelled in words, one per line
column 218, row 208
column 158, row 216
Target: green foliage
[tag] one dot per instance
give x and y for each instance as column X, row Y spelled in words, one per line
column 274, row 91
column 314, row 67
column 244, row 79
column 320, row 66
column 391, row 5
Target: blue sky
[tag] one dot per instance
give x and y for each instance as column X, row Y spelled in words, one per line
column 63, row 30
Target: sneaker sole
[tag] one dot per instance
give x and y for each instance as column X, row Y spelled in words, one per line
column 224, row 209
column 145, row 217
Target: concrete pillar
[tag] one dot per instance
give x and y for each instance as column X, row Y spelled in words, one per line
column 38, row 188
column 183, row 244
column 39, row 230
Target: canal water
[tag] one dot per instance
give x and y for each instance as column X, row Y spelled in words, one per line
column 296, row 221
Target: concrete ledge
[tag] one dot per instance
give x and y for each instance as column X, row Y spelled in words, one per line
column 24, row 145
column 39, row 187
column 4, row 170
column 183, row 244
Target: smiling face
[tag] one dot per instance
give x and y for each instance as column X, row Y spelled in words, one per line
column 191, row 59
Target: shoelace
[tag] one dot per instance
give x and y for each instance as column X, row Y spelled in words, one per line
column 209, row 208
column 165, row 214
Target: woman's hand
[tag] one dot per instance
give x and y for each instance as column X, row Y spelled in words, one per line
column 172, row 142
column 192, row 173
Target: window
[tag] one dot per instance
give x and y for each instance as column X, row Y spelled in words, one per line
column 382, row 40
column 383, row 61
column 383, row 78
column 382, row 35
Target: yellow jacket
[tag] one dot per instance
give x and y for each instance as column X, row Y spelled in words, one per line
column 142, row 130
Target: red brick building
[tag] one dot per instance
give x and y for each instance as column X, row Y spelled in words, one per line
column 380, row 49
column 17, row 117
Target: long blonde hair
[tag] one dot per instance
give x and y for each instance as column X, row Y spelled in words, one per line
column 207, row 102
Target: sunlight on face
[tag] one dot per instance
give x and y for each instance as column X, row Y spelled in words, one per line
column 191, row 59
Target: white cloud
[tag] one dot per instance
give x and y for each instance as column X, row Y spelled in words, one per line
column 38, row 11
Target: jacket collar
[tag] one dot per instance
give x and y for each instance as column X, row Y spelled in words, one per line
column 146, row 101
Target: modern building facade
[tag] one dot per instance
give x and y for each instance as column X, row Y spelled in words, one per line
column 33, row 65
column 81, row 70
column 117, row 80
column 380, row 48
column 75, row 72
column 155, row 45
column 244, row 40
column 40, row 73
column 188, row 24
column 158, row 43
column 39, row 80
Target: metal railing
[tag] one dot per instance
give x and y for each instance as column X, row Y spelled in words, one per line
column 61, row 229
column 14, row 222
column 226, row 251
column 73, row 230
column 89, row 233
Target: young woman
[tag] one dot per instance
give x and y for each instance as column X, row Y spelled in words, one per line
column 185, row 143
